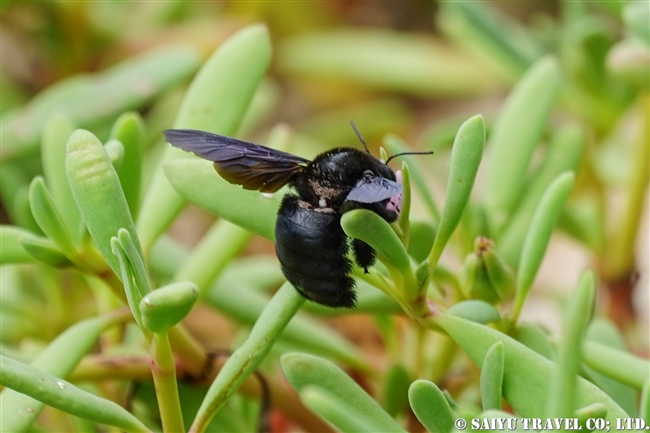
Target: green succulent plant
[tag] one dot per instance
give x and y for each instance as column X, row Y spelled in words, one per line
column 97, row 216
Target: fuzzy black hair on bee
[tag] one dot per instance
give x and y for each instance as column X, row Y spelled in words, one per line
column 310, row 243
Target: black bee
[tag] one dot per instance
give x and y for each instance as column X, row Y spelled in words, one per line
column 310, row 243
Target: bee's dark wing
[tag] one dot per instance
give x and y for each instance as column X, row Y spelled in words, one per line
column 240, row 162
column 373, row 189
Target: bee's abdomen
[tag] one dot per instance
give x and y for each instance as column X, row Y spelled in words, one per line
column 312, row 249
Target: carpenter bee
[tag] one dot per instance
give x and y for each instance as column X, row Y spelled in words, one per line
column 310, row 243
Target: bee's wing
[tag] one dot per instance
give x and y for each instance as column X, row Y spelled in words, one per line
column 240, row 162
column 373, row 189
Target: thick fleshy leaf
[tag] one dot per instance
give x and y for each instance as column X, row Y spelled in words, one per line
column 384, row 59
column 14, row 190
column 96, row 189
column 515, row 136
column 496, row 420
column 21, row 212
column 604, row 332
column 577, row 316
column 466, row 156
column 564, row 153
column 137, row 264
column 224, row 241
column 243, row 362
column 49, row 220
column 11, row 248
column 165, row 307
column 199, row 183
column 333, row 410
column 260, row 272
column 372, row 229
column 304, row 371
column 539, row 234
column 524, row 370
column 245, row 306
column 18, row 411
column 476, row 311
column 644, row 404
column 431, row 407
column 131, row 290
column 115, row 151
column 45, row 251
column 621, row 366
column 129, row 130
column 216, row 101
column 86, row 100
column 492, row 377
column 500, row 274
column 45, row 388
column 596, row 410
column 475, row 282
column 534, row 337
column 498, row 40
column 421, row 240
column 218, row 247
column 56, row 132
column 395, row 388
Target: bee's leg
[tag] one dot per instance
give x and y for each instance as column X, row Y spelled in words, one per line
column 364, row 255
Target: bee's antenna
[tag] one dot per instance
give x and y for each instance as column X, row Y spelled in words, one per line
column 408, row 153
column 359, row 135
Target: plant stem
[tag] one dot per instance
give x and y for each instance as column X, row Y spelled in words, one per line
column 191, row 356
column 443, row 358
column 103, row 367
column 163, row 369
column 243, row 362
column 517, row 306
column 618, row 260
column 223, row 242
column 621, row 258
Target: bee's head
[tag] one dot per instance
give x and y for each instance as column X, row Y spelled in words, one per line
column 378, row 188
